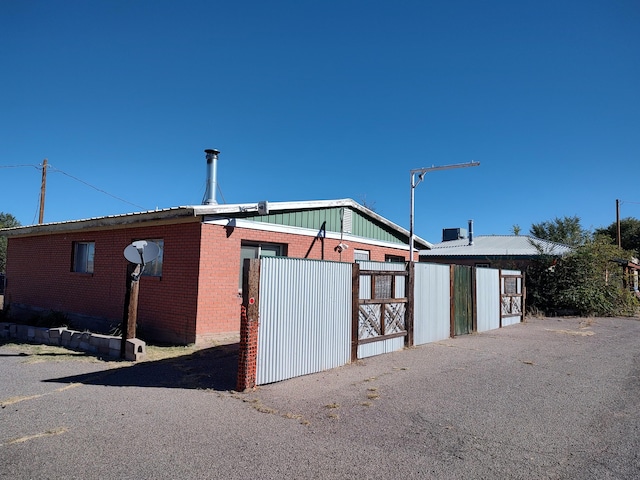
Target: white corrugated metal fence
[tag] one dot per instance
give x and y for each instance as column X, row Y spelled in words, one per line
column 305, row 317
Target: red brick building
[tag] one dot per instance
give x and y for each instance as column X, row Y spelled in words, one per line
column 192, row 292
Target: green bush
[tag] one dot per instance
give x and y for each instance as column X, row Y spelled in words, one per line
column 586, row 282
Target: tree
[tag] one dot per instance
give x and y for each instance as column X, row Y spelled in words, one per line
column 565, row 230
column 516, row 229
column 370, row 204
column 6, row 221
column 629, row 234
column 586, row 282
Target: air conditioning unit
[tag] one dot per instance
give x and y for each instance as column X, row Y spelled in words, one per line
column 449, row 234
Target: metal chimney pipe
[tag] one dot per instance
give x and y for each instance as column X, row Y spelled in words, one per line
column 470, row 232
column 212, row 176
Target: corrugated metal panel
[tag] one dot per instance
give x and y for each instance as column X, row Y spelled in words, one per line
column 312, row 219
column 497, row 245
column 364, row 227
column 355, row 222
column 506, row 321
column 305, row 317
column 393, row 344
column 462, row 299
column 431, row 319
column 378, row 348
column 488, row 298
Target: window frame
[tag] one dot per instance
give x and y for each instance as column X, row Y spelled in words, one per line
column 281, row 247
column 154, row 264
column 359, row 251
column 83, row 262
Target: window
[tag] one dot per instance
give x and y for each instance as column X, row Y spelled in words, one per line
column 83, row 253
column 394, row 258
column 154, row 269
column 257, row 250
column 360, row 254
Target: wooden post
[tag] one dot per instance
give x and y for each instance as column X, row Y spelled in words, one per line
column 249, row 325
column 43, row 188
column 500, row 289
column 132, row 317
column 408, row 313
column 618, row 236
column 523, row 289
column 452, row 302
column 474, row 301
column 355, row 309
column 131, row 306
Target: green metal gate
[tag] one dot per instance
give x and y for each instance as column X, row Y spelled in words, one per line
column 461, row 300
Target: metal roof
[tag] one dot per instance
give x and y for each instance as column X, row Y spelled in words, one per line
column 185, row 212
column 496, row 245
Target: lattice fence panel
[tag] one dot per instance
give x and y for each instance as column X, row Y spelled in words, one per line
column 369, row 321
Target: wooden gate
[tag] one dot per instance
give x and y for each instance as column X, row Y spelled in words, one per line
column 461, row 300
column 379, row 313
column 512, row 297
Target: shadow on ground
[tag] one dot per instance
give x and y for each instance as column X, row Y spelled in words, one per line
column 212, row 368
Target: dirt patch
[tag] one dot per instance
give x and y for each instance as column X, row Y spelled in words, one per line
column 577, row 333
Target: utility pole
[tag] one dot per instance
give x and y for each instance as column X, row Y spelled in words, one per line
column 43, row 187
column 421, row 173
column 618, row 223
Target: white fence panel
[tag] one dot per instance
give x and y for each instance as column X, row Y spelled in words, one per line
column 305, row 317
column 488, row 298
column 378, row 348
column 432, row 298
column 392, row 344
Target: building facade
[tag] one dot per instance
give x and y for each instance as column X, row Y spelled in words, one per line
column 192, row 292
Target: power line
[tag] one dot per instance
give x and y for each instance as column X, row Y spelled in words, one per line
column 37, row 167
column 94, row 187
column 54, row 169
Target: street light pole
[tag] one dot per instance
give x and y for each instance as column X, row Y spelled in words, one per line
column 421, row 173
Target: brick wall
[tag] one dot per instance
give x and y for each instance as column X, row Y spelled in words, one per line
column 39, row 278
column 196, row 299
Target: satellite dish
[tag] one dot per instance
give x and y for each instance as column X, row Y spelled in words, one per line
column 141, row 252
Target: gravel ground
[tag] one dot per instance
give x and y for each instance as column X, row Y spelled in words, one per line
column 549, row 398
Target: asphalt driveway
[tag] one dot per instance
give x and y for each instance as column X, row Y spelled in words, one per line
column 550, row 398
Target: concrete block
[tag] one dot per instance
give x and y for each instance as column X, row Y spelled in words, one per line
column 55, row 335
column 98, row 340
column 74, row 339
column 5, row 330
column 65, row 338
column 135, row 349
column 114, row 343
column 22, row 331
column 42, row 335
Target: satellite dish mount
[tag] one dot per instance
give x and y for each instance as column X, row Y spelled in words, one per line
column 140, row 253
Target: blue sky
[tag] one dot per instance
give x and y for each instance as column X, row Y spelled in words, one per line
column 311, row 100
